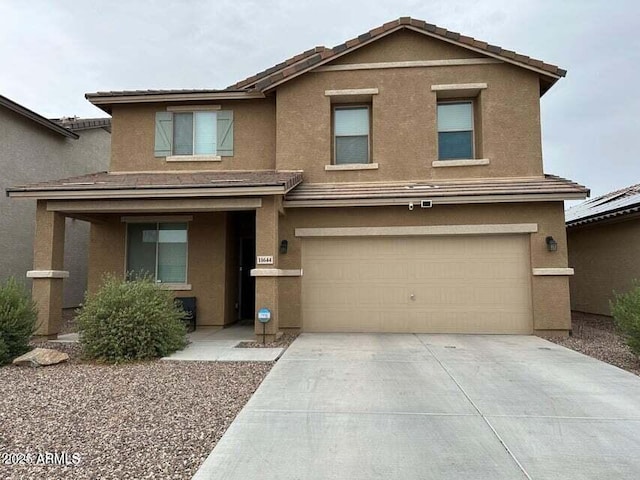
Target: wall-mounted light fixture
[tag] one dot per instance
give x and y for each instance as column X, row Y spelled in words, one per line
column 552, row 245
column 284, row 246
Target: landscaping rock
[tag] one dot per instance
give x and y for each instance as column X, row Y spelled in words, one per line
column 283, row 341
column 142, row 420
column 40, row 357
column 596, row 336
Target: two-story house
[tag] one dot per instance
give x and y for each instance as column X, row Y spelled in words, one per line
column 393, row 183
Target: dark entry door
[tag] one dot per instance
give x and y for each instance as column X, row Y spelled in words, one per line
column 247, row 289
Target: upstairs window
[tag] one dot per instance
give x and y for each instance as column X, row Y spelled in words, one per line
column 455, row 130
column 351, row 134
column 201, row 134
column 194, row 133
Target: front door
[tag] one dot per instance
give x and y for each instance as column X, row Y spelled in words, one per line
column 247, row 287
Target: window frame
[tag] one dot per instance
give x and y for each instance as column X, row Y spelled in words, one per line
column 350, row 106
column 170, row 285
column 458, row 101
column 193, row 134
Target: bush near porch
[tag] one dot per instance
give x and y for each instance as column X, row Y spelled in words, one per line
column 130, row 320
column 18, row 316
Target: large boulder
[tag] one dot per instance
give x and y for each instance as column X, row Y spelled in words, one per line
column 40, row 357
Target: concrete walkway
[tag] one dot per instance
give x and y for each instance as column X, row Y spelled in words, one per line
column 214, row 344
column 67, row 338
column 360, row 406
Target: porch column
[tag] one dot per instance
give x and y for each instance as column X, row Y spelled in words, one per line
column 267, row 245
column 48, row 273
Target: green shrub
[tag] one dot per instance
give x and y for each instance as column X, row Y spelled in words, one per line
column 130, row 320
column 18, row 315
column 626, row 312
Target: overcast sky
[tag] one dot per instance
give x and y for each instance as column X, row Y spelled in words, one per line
column 53, row 52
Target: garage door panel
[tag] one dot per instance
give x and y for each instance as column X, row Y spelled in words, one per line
column 459, row 284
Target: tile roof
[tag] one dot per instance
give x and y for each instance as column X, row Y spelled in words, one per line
column 439, row 191
column 126, row 93
column 293, row 61
column 611, row 205
column 104, row 181
column 312, row 58
column 31, row 115
column 75, row 123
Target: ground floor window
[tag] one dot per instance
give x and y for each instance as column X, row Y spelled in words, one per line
column 158, row 250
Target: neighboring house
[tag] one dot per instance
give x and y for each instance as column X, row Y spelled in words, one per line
column 603, row 237
column 34, row 148
column 393, row 183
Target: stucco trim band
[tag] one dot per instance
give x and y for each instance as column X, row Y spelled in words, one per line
column 176, row 287
column 552, row 271
column 47, row 274
column 351, row 91
column 488, row 229
column 352, row 166
column 458, row 86
column 193, row 158
column 275, row 272
column 407, row 64
column 151, row 206
column 157, row 218
column 461, row 163
column 193, row 108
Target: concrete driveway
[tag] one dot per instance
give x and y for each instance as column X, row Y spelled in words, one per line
column 365, row 406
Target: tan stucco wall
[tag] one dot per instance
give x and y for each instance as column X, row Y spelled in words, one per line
column 212, row 254
column 254, row 138
column 403, row 46
column 31, row 153
column 48, row 254
column 107, row 244
column 404, row 130
column 606, row 258
column 550, row 293
column 207, row 262
column 404, row 133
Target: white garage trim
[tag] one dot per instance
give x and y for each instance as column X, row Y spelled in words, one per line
column 553, row 271
column 499, row 229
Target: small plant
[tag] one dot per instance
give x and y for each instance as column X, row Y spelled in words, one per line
column 18, row 315
column 626, row 312
column 130, row 320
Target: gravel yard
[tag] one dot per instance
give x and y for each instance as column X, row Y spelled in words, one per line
column 595, row 335
column 156, row 420
column 284, row 341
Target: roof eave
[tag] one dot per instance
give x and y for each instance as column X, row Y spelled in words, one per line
column 105, row 102
column 605, row 217
column 551, row 78
column 147, row 193
column 31, row 115
column 444, row 200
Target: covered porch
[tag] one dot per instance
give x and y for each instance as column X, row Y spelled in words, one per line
column 197, row 233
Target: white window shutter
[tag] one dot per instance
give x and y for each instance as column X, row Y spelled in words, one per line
column 164, row 134
column 225, row 133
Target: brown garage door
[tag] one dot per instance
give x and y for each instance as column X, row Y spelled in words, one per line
column 456, row 284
